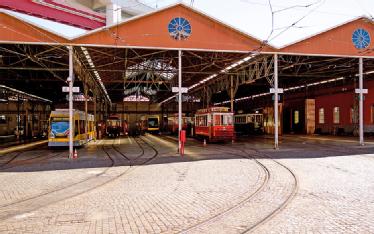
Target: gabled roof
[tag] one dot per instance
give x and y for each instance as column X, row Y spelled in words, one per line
column 151, row 31
column 335, row 41
column 14, row 30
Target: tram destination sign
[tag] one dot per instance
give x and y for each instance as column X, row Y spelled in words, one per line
column 65, row 89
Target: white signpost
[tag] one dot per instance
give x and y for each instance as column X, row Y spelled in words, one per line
column 176, row 89
column 66, row 89
column 272, row 90
column 363, row 91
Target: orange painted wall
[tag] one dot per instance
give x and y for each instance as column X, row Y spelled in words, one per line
column 337, row 41
column 15, row 30
column 152, row 31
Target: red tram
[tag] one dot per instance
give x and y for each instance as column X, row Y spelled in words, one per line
column 113, row 126
column 214, row 124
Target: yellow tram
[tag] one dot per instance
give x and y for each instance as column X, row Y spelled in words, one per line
column 59, row 128
column 153, row 123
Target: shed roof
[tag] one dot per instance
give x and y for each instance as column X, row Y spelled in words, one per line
column 336, row 41
column 150, row 30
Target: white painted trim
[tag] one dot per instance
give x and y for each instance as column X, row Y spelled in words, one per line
column 325, row 30
column 33, row 43
column 319, row 55
column 162, row 48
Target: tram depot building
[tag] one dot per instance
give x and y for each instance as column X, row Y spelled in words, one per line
column 122, row 96
column 319, row 75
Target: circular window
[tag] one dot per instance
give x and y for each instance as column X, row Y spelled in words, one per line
column 361, row 38
column 179, row 28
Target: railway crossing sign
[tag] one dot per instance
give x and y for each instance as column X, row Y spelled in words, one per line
column 176, row 89
column 65, row 89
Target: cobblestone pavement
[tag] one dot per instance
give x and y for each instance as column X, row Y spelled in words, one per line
column 142, row 186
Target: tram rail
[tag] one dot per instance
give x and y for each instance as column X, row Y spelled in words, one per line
column 258, row 155
column 39, row 201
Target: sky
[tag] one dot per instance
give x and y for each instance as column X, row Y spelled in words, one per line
column 254, row 17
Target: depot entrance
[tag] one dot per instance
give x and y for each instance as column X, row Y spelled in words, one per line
column 144, row 58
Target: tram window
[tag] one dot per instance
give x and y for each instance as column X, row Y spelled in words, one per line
column 229, row 119
column 239, row 119
column 222, row 120
column 76, row 128
column 321, row 116
column 81, row 127
column 203, row 120
column 336, row 117
column 217, row 120
column 2, row 119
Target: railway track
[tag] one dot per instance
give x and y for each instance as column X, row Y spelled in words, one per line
column 284, row 204
column 267, row 174
column 50, row 191
column 11, row 163
column 11, row 159
column 265, row 183
column 239, row 204
column 70, row 191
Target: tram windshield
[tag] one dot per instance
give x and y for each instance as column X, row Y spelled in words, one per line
column 59, row 128
column 152, row 122
column 114, row 123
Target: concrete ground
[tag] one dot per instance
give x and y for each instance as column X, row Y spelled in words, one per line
column 140, row 185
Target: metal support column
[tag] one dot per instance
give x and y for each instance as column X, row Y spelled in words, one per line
column 18, row 119
column 232, row 93
column 361, row 101
column 105, row 110
column 276, row 101
column 71, row 81
column 95, row 115
column 86, row 110
column 179, row 97
column 26, row 107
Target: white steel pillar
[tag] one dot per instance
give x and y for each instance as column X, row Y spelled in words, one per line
column 232, row 93
column 71, row 81
column 86, row 110
column 361, row 101
column 179, row 98
column 276, row 101
column 95, row 116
